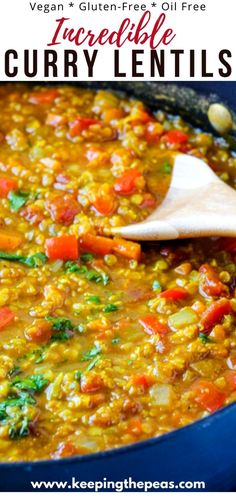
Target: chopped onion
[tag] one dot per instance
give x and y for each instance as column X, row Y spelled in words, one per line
column 161, row 394
column 183, row 318
column 56, row 265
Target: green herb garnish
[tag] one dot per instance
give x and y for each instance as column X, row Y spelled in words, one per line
column 20, row 401
column 91, row 275
column 115, row 340
column 93, row 299
column 93, row 363
column 14, row 371
column 110, row 307
column 60, row 336
column 34, row 384
column 33, row 261
column 78, row 375
column 166, row 168
column 86, row 257
column 60, row 323
column 91, row 353
column 156, row 286
column 18, row 199
column 204, row 338
column 20, row 430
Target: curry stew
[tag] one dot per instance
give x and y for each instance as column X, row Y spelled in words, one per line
column 102, row 343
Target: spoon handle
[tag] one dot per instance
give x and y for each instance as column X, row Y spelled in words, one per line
column 184, row 227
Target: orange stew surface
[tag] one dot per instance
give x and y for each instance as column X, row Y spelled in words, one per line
column 103, row 342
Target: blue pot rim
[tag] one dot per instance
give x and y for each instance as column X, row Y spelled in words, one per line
column 150, row 442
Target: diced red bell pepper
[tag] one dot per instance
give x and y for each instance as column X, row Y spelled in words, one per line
column 174, row 294
column 215, row 313
column 80, row 124
column 127, row 183
column 208, row 396
column 152, row 325
column 96, row 245
column 210, row 283
column 6, row 317
column 64, row 247
column 7, row 185
column 125, row 248
column 142, row 380
column 43, row 97
column 175, row 137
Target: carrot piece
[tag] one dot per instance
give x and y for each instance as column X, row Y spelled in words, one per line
column 104, row 205
column 7, row 185
column 208, row 396
column 174, row 294
column 6, row 316
column 175, row 137
column 9, row 242
column 215, row 313
column 152, row 326
column 64, row 247
column 128, row 249
column 43, row 97
column 126, row 184
column 96, row 245
column 112, row 114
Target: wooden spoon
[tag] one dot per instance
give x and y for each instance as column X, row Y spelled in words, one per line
column 197, row 204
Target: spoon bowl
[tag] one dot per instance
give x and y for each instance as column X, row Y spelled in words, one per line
column 197, row 204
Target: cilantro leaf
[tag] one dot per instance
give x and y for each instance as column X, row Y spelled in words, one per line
column 18, row 199
column 86, row 257
column 156, row 286
column 34, row 384
column 91, row 353
column 60, row 323
column 14, row 371
column 166, row 168
column 110, row 307
column 204, row 338
column 91, row 275
column 33, row 261
column 20, row 430
column 60, row 336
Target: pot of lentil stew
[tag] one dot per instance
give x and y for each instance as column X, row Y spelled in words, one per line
column 116, row 361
